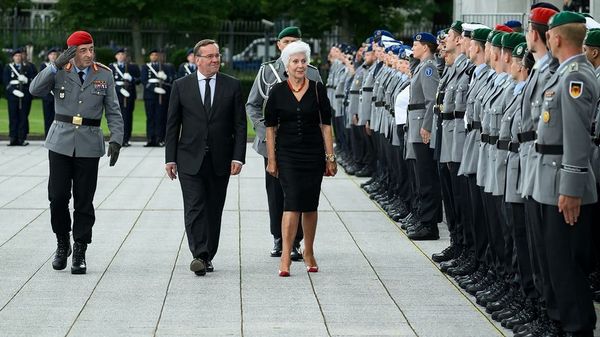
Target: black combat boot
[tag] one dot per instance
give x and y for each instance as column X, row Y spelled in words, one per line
column 79, row 266
column 63, row 251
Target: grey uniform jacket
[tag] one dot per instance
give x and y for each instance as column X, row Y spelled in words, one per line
column 448, row 121
column 423, row 87
column 354, row 93
column 438, row 105
column 513, row 170
column 570, row 98
column 366, row 92
column 87, row 100
column 260, row 92
column 460, row 108
column 513, row 104
column 596, row 145
column 530, row 114
column 482, row 159
column 470, row 152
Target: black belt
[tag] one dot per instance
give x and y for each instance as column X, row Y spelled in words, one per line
column 548, row 149
column 485, row 137
column 373, row 99
column 367, row 89
column 596, row 141
column 459, row 114
column 528, row 136
column 339, row 96
column 492, row 139
column 502, row 144
column 447, row 116
column 387, row 106
column 513, row 147
column 379, row 104
column 469, row 127
column 476, row 125
column 330, row 86
column 77, row 120
column 416, row 106
column 355, row 92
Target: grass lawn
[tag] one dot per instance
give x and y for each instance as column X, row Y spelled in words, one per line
column 36, row 121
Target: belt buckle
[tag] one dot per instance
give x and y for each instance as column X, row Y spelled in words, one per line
column 77, row 120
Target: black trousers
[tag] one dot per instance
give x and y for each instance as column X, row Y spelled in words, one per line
column 495, row 233
column 203, row 201
column 569, row 254
column 79, row 175
column 479, row 221
column 460, row 192
column 539, row 261
column 415, row 203
column 403, row 189
column 275, row 201
column 369, row 157
column 358, row 145
column 450, row 209
column 48, row 108
column 127, row 106
column 429, row 185
column 18, row 114
column 156, row 118
column 515, row 213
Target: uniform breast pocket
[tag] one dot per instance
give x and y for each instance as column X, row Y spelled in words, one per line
column 98, row 92
column 550, row 171
column 549, row 113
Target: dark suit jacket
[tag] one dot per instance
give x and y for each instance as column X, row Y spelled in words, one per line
column 190, row 129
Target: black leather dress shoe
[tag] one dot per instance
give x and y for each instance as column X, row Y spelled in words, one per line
column 24, row 143
column 209, row 266
column 445, row 255
column 295, row 255
column 276, row 251
column 126, row 144
column 79, row 266
column 198, row 267
column 63, row 251
column 150, row 144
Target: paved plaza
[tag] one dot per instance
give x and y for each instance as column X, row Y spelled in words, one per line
column 372, row 280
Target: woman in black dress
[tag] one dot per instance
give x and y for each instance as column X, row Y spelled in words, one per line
column 300, row 149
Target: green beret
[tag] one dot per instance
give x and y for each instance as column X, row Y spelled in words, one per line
column 480, row 34
column 511, row 40
column 492, row 34
column 520, row 50
column 290, row 31
column 457, row 26
column 497, row 39
column 564, row 18
column 592, row 38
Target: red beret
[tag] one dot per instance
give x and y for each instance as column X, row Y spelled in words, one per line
column 79, row 37
column 503, row 28
column 541, row 15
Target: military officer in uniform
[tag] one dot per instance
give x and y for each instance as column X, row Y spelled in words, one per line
column 156, row 77
column 564, row 184
column 48, row 100
column 127, row 76
column 269, row 74
column 187, row 67
column 16, row 78
column 83, row 89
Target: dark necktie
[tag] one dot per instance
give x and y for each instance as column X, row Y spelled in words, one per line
column 207, row 105
column 81, row 73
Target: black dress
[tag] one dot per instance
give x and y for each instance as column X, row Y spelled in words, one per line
column 299, row 145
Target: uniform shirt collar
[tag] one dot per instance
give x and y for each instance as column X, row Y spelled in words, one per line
column 519, row 88
column 479, row 69
column 201, row 77
column 565, row 63
column 86, row 70
column 500, row 78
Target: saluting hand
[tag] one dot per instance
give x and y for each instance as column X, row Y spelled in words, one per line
column 65, row 57
column 569, row 207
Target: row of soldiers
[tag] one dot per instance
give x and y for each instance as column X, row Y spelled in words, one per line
column 155, row 76
column 494, row 129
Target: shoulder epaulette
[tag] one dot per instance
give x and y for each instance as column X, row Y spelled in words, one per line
column 574, row 67
column 265, row 63
column 68, row 66
column 98, row 65
column 311, row 66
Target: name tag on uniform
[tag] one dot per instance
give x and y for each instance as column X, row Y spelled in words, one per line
column 100, row 84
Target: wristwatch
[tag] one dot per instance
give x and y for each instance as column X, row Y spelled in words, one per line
column 330, row 157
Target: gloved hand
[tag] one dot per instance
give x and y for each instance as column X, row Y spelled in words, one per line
column 64, row 58
column 127, row 77
column 161, row 74
column 113, row 152
column 23, row 79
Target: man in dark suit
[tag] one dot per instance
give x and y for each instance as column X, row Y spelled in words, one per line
column 205, row 143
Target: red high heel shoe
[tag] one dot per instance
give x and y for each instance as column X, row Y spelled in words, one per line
column 312, row 269
column 283, row 273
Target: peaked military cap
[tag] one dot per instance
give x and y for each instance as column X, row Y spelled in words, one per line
column 457, row 26
column 292, row 31
column 511, row 40
column 481, row 34
column 425, row 38
column 119, row 50
column 16, row 51
column 564, row 18
column 520, row 50
column 592, row 38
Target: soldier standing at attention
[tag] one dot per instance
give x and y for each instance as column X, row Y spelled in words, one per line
column 16, row 78
column 83, row 89
column 156, row 81
column 269, row 74
column 127, row 76
column 564, row 182
column 48, row 100
column 187, row 67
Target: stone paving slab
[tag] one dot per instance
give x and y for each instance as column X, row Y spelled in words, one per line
column 372, row 281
